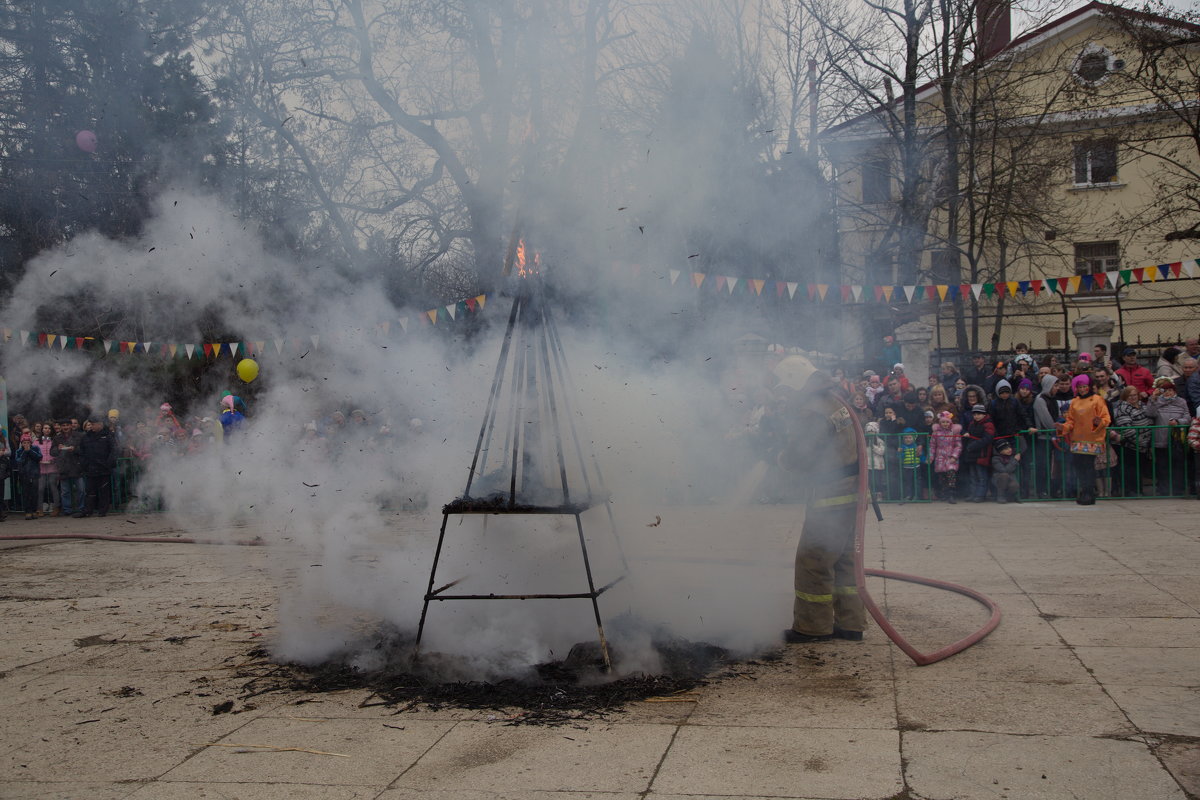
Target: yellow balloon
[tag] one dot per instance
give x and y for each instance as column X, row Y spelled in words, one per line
column 247, row 369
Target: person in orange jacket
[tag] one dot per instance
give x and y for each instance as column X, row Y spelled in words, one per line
column 1085, row 429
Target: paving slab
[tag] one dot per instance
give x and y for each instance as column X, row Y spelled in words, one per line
column 782, row 762
column 987, row 766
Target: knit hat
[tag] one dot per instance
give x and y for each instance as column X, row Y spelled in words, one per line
column 1025, row 384
column 1085, row 357
column 897, row 367
column 1002, row 385
column 165, row 407
column 1003, row 444
column 227, row 401
column 1163, row 382
column 1080, row 380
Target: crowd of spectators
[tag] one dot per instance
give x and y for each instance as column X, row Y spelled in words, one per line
column 82, row 466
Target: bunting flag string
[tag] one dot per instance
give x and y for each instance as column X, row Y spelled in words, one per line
column 236, row 350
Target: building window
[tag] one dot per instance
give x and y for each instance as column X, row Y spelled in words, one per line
column 877, row 181
column 1093, row 257
column 1096, row 162
column 1093, row 66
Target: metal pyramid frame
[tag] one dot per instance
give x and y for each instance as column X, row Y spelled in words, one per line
column 529, row 408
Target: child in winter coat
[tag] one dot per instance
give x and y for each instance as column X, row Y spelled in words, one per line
column 1004, row 473
column 910, row 453
column 876, row 458
column 27, row 464
column 977, row 451
column 945, row 447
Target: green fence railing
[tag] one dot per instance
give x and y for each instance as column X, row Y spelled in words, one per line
column 1150, row 461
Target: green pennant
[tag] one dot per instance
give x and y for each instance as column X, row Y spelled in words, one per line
column 1126, row 274
column 1051, row 284
column 461, row 307
column 989, row 289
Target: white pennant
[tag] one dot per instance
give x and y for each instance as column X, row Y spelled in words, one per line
column 976, row 288
column 24, row 337
column 146, row 347
column 856, row 293
column 452, row 309
column 1190, row 266
column 108, row 345
column 674, row 273
column 730, row 283
column 189, row 349
column 792, row 285
column 1114, row 278
column 404, row 324
column 62, row 342
column 314, row 338
column 278, row 346
column 909, row 291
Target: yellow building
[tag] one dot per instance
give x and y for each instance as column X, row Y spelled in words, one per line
column 1073, row 168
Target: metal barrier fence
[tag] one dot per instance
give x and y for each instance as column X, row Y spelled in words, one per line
column 1131, row 467
column 125, row 478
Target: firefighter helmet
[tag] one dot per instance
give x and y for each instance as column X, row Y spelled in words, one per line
column 794, row 372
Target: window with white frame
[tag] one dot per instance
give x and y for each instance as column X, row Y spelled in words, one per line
column 1096, row 162
column 1091, row 257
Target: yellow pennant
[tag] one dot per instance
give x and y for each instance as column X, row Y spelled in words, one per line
column 1013, row 286
column 1073, row 282
column 942, row 288
column 432, row 314
column 887, row 293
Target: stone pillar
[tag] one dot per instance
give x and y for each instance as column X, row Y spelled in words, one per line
column 1094, row 329
column 914, row 339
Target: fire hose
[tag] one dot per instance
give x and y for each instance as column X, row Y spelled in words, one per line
column 861, row 572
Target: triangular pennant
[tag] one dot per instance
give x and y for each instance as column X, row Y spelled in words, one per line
column 1175, row 267
column 856, row 291
column 964, row 290
column 208, row 350
column 233, row 346
column 719, row 283
column 452, row 310
column 1126, row 276
column 989, row 289
column 942, row 290
column 432, row 314
column 461, row 307
column 1023, row 287
column 1088, row 282
column 976, row 289
column 123, row 347
column 315, row 339
column 259, row 346
column 1139, row 274
column 931, row 292
column 42, row 337
column 146, row 347
column 1036, row 285
column 1062, row 285
column 757, row 285
column 471, row 304
column 697, row 279
column 162, row 350
column 731, row 284
column 63, row 341
column 189, row 349
column 1114, row 278
column 792, row 286
column 887, row 292
column 1190, row 266
column 107, row 345
column 1073, row 283
column 812, row 291
column 878, row 294
column 1151, row 273
column 909, row 291
column 404, row 323
column 822, row 290
column 845, row 293
column 173, row 350
column 79, row 342
column 481, row 300
column 674, row 275
column 1098, row 279
column 779, row 288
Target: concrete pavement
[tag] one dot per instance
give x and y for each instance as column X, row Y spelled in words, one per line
column 115, row 654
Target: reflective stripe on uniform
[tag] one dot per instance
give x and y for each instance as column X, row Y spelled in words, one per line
column 814, row 598
column 845, row 590
column 840, row 500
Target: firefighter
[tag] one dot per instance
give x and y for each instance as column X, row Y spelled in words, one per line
column 821, row 451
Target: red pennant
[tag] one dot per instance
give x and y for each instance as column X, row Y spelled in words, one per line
column 1139, row 273
column 1036, row 285
column 1000, row 287
column 812, row 291
column 845, row 293
column 720, row 283
column 471, row 303
column 208, row 349
column 878, row 293
column 79, row 342
column 1176, row 266
column 931, row 292
column 41, row 340
column 1099, row 278
column 780, row 288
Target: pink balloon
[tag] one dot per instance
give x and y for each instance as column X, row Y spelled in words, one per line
column 86, row 141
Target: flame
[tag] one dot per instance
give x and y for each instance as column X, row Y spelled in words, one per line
column 526, row 267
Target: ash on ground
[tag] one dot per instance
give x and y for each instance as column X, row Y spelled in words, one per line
column 556, row 692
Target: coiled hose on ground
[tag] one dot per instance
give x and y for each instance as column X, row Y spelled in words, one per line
column 861, row 573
